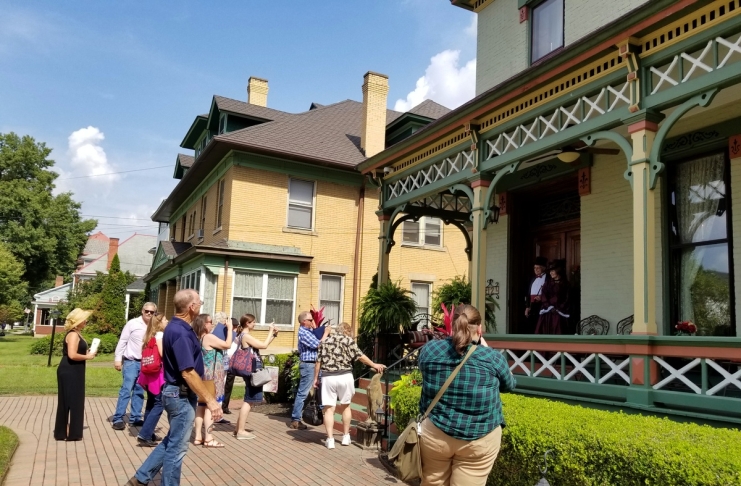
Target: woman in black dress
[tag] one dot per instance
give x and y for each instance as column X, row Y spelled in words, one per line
column 71, row 378
column 555, row 305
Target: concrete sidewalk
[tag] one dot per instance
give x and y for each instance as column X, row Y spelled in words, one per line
column 278, row 456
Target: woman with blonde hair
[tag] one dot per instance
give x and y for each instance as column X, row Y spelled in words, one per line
column 252, row 394
column 152, row 382
column 213, row 370
column 71, row 378
column 461, row 437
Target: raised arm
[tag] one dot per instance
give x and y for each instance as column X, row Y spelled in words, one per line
column 247, row 339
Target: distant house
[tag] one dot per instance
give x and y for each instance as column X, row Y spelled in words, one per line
column 133, row 253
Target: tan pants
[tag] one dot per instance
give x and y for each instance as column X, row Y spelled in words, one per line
column 447, row 461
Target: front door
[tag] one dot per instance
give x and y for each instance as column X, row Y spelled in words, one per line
column 547, row 224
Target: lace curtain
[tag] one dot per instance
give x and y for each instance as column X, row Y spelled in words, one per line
column 279, row 306
column 247, row 295
column 209, row 293
column 700, row 190
column 330, row 297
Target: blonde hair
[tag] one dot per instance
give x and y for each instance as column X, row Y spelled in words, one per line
column 220, row 317
column 466, row 319
column 345, row 329
column 156, row 324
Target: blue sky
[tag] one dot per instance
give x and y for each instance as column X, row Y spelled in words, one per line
column 113, row 86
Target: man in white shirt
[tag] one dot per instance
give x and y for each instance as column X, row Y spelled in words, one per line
column 532, row 309
column 128, row 360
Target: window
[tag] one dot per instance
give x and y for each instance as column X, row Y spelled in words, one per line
column 219, row 202
column 701, row 276
column 154, row 295
column 222, row 123
column 208, row 293
column 300, row 204
column 268, row 297
column 182, row 228
column 427, row 231
column 203, row 213
column 174, row 232
column 421, row 293
column 191, row 224
column 546, row 28
column 330, row 297
column 191, row 280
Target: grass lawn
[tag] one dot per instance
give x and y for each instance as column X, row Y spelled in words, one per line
column 8, row 443
column 24, row 374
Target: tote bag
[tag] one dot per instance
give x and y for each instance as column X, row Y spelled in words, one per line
column 240, row 363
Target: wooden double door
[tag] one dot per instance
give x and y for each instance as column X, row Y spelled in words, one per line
column 562, row 243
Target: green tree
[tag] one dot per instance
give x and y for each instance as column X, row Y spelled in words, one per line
column 43, row 231
column 12, row 286
column 11, row 312
column 112, row 314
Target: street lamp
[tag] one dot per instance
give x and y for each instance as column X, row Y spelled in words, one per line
column 54, row 314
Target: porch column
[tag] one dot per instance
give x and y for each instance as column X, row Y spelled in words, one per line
column 643, row 134
column 478, row 250
column 384, row 220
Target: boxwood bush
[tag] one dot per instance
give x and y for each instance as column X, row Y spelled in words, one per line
column 593, row 447
column 107, row 343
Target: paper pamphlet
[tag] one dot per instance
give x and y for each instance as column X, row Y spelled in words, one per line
column 94, row 346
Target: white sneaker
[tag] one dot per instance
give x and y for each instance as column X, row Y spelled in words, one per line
column 346, row 440
column 330, row 443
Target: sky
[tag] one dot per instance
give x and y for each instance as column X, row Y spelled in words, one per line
column 112, row 87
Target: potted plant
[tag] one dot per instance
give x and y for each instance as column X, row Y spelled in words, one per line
column 458, row 291
column 386, row 312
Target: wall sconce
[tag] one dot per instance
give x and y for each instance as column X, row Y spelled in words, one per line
column 492, row 288
column 494, row 214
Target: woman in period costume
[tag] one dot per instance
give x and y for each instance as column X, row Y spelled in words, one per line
column 71, row 378
column 532, row 311
column 555, row 311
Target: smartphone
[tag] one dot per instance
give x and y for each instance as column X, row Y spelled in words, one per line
column 275, row 332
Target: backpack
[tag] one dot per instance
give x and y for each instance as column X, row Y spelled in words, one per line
column 151, row 360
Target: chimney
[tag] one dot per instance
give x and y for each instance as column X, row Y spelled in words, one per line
column 257, row 91
column 375, row 96
column 59, row 281
column 112, row 250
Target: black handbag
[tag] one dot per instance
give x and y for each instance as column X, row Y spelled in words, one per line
column 312, row 414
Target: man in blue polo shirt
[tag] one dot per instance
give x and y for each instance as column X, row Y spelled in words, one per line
column 183, row 364
column 307, row 346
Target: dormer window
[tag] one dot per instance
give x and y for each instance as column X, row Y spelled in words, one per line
column 222, row 123
column 546, row 29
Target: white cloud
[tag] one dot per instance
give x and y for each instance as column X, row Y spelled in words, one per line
column 472, row 29
column 88, row 158
column 445, row 82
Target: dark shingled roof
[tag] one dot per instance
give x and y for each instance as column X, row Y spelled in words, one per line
column 430, row 109
column 186, row 160
column 330, row 133
column 137, row 284
column 244, row 108
column 174, row 248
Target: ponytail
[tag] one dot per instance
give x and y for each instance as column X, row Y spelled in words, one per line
column 466, row 320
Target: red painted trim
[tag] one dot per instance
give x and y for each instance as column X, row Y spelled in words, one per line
column 734, row 146
column 384, row 217
column 557, row 70
column 480, row 183
column 643, row 125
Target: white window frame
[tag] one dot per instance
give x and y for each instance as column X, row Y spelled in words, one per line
column 192, row 280
column 222, row 123
column 429, row 296
column 220, row 190
column 260, row 323
column 342, row 292
column 301, row 204
column 422, row 228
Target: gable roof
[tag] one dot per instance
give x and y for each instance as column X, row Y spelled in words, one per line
column 96, row 244
column 185, row 161
column 430, row 109
column 247, row 109
column 133, row 254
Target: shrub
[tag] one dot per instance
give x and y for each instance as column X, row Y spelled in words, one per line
column 107, row 345
column 404, row 398
column 593, row 447
column 283, row 362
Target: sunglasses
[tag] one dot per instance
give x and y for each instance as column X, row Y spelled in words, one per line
column 150, row 312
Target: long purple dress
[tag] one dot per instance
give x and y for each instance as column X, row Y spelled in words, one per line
column 555, row 310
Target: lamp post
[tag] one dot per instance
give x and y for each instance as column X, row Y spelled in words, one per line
column 26, row 311
column 54, row 316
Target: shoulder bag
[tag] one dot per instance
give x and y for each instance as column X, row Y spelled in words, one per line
column 240, row 363
column 405, row 455
column 151, row 362
column 259, row 376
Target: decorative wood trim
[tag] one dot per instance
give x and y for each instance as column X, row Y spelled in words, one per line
column 734, row 146
column 503, row 203
column 585, row 181
column 524, row 14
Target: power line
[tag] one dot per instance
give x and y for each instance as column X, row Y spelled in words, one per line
column 115, row 217
column 112, row 173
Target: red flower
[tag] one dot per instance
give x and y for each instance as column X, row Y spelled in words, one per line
column 317, row 315
column 447, row 319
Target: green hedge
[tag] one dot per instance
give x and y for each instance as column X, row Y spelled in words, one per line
column 593, row 447
column 284, row 362
column 107, row 345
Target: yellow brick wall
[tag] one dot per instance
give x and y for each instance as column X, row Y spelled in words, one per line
column 224, row 283
column 209, row 237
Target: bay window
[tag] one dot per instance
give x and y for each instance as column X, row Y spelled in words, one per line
column 268, row 297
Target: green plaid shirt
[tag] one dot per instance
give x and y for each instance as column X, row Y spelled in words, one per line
column 470, row 408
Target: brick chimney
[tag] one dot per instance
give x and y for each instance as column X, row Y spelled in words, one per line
column 59, row 281
column 257, row 91
column 112, row 250
column 375, row 96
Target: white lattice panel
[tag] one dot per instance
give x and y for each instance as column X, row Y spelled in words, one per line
column 445, row 168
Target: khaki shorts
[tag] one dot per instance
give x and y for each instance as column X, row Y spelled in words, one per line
column 334, row 388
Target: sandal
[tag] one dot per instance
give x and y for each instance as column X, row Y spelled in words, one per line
column 213, row 444
column 244, row 436
column 197, row 442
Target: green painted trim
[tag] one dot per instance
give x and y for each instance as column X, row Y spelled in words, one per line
column 160, row 258
column 299, row 169
column 451, row 152
column 192, row 131
column 688, row 341
column 429, row 189
column 713, row 137
column 165, row 275
column 218, row 172
column 264, row 266
column 572, row 388
column 193, row 264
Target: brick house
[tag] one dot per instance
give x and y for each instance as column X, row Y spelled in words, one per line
column 271, row 217
column 607, row 137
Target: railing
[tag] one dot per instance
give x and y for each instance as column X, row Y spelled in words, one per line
column 698, row 377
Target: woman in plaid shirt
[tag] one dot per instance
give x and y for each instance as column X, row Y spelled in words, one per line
column 461, row 438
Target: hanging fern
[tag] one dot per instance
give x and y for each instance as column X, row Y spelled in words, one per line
column 458, row 291
column 386, row 309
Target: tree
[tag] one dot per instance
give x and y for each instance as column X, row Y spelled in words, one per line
column 11, row 312
column 12, row 286
column 112, row 313
column 43, row 231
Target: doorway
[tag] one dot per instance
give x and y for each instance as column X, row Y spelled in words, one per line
column 545, row 221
